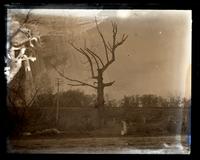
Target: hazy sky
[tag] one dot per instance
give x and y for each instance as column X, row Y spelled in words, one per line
column 155, row 59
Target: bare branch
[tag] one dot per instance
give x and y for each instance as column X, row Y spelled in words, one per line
column 114, row 45
column 75, row 47
column 33, row 97
column 95, row 59
column 109, row 47
column 114, row 25
column 75, row 84
column 85, row 48
column 73, row 80
column 108, row 84
column 109, row 63
column 124, row 37
column 86, row 54
column 103, row 40
column 88, row 58
column 95, row 56
column 81, row 84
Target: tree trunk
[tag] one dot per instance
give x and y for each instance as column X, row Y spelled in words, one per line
column 100, row 98
column 100, row 90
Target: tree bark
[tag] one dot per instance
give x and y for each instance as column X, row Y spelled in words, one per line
column 100, row 98
column 100, row 90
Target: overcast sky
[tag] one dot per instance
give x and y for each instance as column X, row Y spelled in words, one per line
column 155, row 59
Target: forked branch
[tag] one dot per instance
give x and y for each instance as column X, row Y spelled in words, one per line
column 95, row 56
column 33, row 97
column 80, row 83
column 109, row 84
column 88, row 58
column 114, row 45
column 103, row 40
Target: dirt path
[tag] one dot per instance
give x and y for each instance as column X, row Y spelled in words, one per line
column 94, row 145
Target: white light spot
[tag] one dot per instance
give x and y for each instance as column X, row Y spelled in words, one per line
column 160, row 32
column 69, row 12
column 123, row 13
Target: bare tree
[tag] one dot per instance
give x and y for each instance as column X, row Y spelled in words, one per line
column 95, row 59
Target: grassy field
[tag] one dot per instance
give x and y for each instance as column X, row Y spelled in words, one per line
column 100, row 145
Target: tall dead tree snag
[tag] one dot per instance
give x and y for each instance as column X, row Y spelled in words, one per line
column 97, row 66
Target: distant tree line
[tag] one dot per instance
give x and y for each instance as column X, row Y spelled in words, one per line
column 70, row 98
column 21, row 117
column 77, row 98
column 150, row 100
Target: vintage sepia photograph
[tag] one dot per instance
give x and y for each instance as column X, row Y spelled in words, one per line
column 110, row 81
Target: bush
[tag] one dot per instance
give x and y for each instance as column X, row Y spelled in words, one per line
column 70, row 98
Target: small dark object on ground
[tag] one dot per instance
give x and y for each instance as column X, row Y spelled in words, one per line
column 51, row 131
